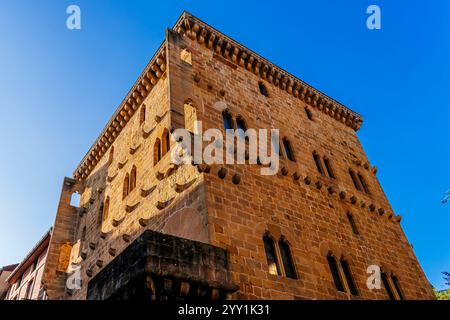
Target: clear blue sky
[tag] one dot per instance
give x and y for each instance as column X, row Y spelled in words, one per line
column 58, row 88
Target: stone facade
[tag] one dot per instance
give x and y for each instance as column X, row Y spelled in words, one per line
column 233, row 206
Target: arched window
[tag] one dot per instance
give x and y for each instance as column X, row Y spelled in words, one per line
column 387, row 286
column 75, row 200
column 166, row 142
column 351, row 220
column 318, row 162
column 132, row 179
column 286, row 257
column 397, row 287
column 363, row 183
column 309, row 113
column 327, row 163
column 354, row 179
column 271, row 255
column 142, row 114
column 348, row 277
column 126, row 184
column 111, row 155
column 106, row 209
column 335, row 272
column 288, row 149
column 227, row 121
column 157, row 154
column 240, row 124
column 263, row 89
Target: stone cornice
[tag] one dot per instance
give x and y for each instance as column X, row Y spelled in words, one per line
column 140, row 90
column 233, row 51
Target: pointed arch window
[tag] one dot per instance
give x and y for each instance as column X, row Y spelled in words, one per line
column 126, row 185
column 355, row 180
column 166, row 142
column 157, row 152
column 363, row 183
column 132, row 179
column 318, row 162
column 288, row 149
column 335, row 273
column 263, row 89
column 286, row 258
column 397, row 287
column 242, row 127
column 271, row 255
column 348, row 277
column 387, row 286
column 351, row 220
column 227, row 121
column 327, row 163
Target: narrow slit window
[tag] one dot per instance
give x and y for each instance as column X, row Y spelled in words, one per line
column 111, row 155
column 227, row 121
column 387, row 286
column 335, row 273
column 142, row 115
column 288, row 149
column 263, row 89
column 363, row 183
column 126, row 184
column 157, row 154
column 240, row 124
column 397, row 287
column 351, row 220
column 105, row 209
column 286, row 257
column 132, row 179
column 348, row 277
column 309, row 113
column 271, row 255
column 330, row 172
column 318, row 162
column 355, row 179
column 166, row 142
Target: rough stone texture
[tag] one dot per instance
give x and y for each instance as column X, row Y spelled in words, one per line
column 309, row 212
column 162, row 258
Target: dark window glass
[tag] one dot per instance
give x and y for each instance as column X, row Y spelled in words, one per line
column 355, row 180
column 352, row 223
column 287, row 259
column 271, row 255
column 288, row 149
column 335, row 273
column 348, row 277
column 227, row 121
column 167, row 142
column 318, row 162
column 363, row 183
column 328, row 167
column 263, row 89
column 397, row 287
column 157, row 152
column 240, row 123
column 387, row 286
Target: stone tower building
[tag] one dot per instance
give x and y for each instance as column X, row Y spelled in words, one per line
column 147, row 228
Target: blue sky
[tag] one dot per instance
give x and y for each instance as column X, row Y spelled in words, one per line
column 59, row 87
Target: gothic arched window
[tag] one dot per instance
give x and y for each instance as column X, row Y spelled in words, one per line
column 286, row 257
column 271, row 255
column 288, row 149
column 157, row 152
column 132, row 179
column 335, row 272
column 348, row 277
column 227, row 121
column 126, row 185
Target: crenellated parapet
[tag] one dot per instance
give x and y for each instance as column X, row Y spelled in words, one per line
column 227, row 48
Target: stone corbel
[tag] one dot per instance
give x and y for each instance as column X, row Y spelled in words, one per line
column 163, row 204
column 131, row 208
column 146, row 192
column 116, row 222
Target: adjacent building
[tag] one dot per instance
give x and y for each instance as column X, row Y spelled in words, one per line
column 148, row 228
column 25, row 281
column 4, row 274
